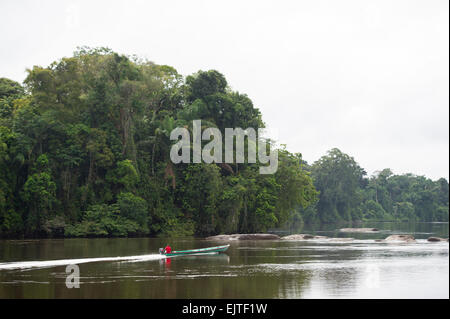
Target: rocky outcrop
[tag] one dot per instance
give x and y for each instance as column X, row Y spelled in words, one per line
column 403, row 238
column 312, row 237
column 358, row 230
column 436, row 239
column 223, row 237
column 244, row 237
column 258, row 236
column 300, row 237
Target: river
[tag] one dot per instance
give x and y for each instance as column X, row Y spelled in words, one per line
column 132, row 267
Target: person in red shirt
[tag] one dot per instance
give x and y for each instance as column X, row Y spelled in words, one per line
column 168, row 249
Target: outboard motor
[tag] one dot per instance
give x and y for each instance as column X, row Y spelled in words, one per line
column 162, row 251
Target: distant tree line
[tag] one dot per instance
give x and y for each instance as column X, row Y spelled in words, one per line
column 84, row 151
column 347, row 194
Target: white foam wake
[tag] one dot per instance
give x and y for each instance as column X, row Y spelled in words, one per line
column 64, row 262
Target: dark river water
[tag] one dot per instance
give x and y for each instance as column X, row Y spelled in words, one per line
column 132, row 267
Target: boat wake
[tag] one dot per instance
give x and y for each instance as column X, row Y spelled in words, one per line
column 64, row 262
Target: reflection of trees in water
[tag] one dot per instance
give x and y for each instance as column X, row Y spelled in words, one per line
column 294, row 285
column 336, row 280
column 250, row 269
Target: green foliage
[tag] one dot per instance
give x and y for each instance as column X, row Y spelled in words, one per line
column 374, row 211
column 177, row 227
column 404, row 211
column 39, row 195
column 10, row 88
column 200, row 192
column 10, row 91
column 84, row 151
column 102, row 221
column 133, row 208
column 337, row 177
column 124, row 175
column 382, row 197
column 296, row 190
column 203, row 84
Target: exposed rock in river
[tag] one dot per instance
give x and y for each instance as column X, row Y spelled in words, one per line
column 434, row 239
column 404, row 238
column 309, row 237
column 300, row 237
column 358, row 230
column 244, row 237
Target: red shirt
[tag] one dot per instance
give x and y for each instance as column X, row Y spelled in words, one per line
column 168, row 249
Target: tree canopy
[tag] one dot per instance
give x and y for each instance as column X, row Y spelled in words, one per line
column 84, row 151
column 347, row 194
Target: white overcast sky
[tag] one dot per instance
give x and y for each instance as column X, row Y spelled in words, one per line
column 368, row 77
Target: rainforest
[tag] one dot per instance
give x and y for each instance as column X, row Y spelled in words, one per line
column 85, row 152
